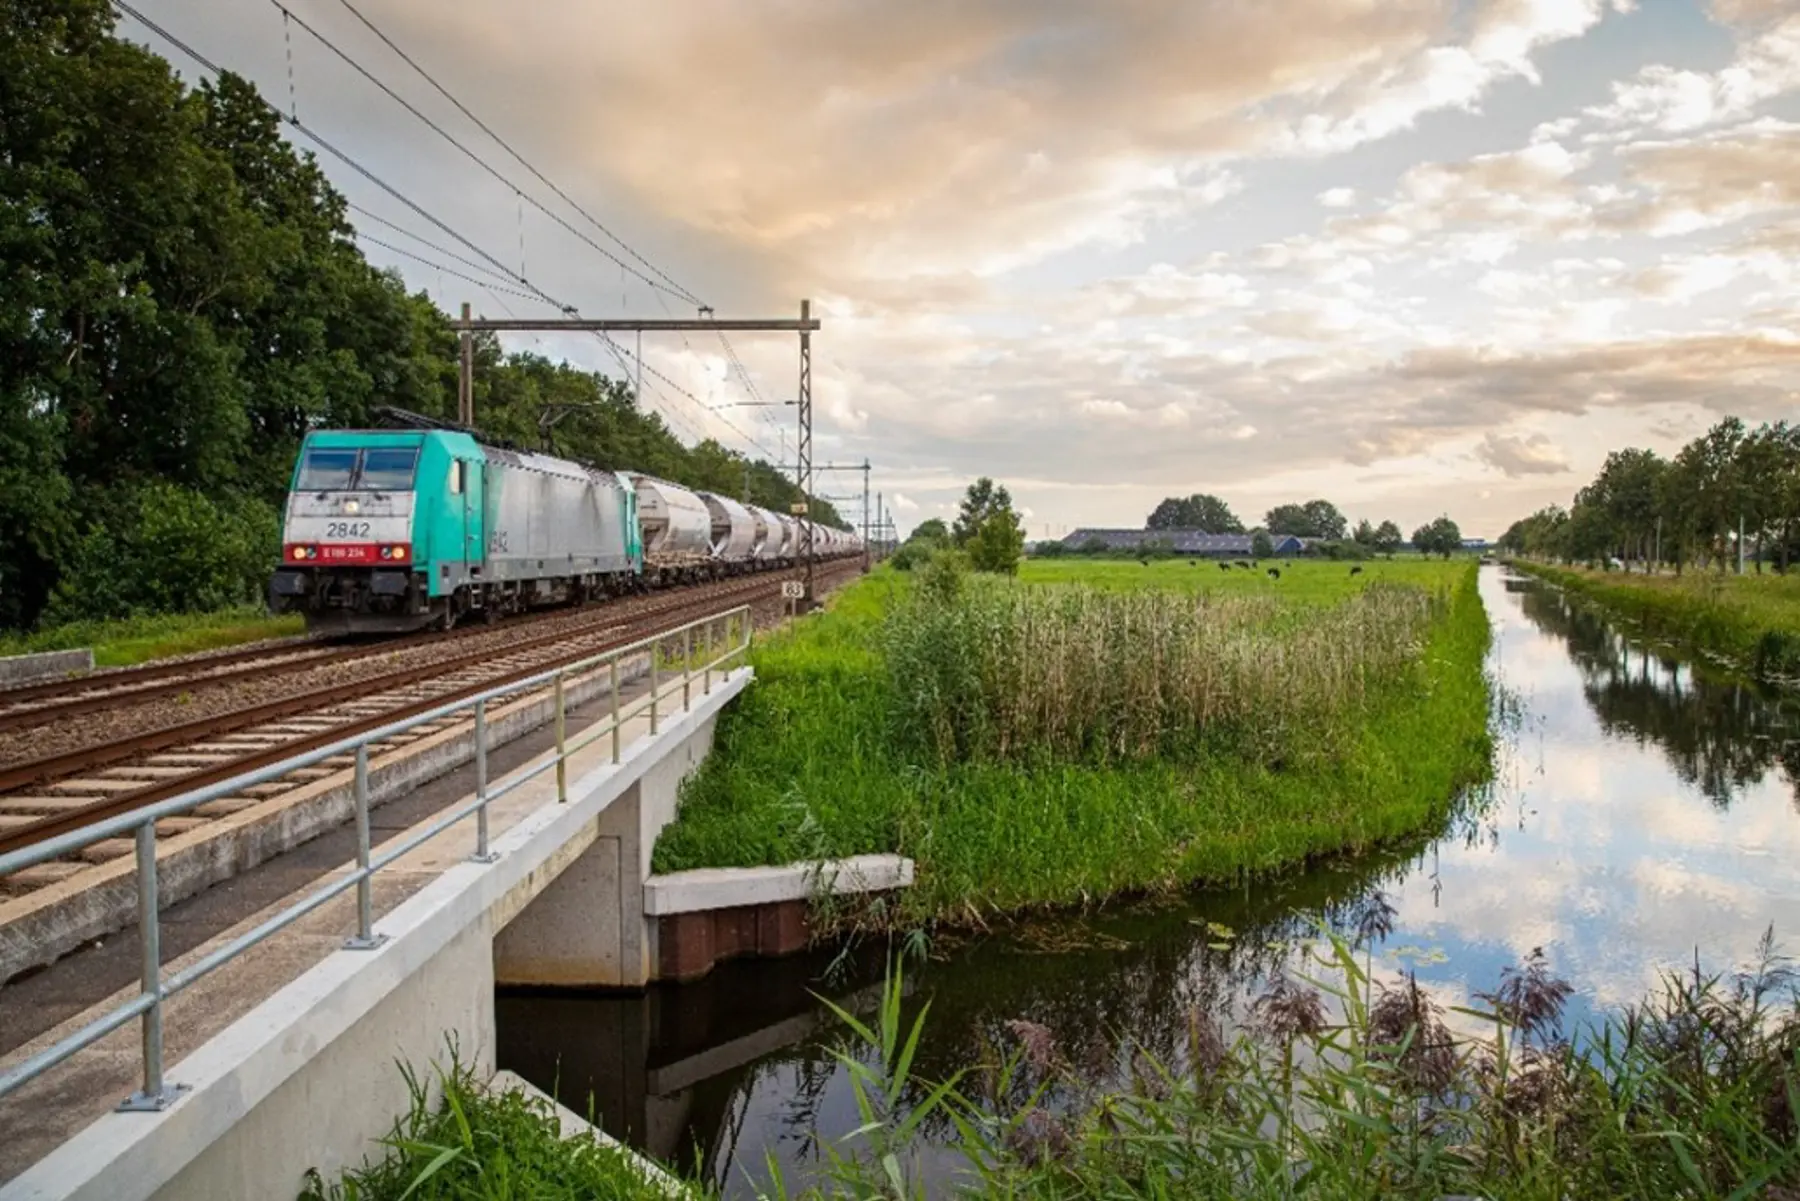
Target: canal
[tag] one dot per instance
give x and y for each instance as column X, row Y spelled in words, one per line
column 1642, row 811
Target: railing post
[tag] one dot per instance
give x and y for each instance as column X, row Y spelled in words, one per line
column 615, row 708
column 562, row 751
column 155, row 1094
column 655, row 679
column 482, row 854
column 706, row 653
column 687, row 666
column 365, row 939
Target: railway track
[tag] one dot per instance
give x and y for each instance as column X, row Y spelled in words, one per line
column 64, row 792
column 55, row 700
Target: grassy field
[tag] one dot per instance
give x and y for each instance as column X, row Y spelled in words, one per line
column 1753, row 620
column 1313, row 582
column 816, row 760
column 140, row 639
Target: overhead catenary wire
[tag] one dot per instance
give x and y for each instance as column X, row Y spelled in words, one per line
column 675, row 288
column 505, row 145
column 498, row 267
column 471, row 155
column 485, row 285
column 423, row 241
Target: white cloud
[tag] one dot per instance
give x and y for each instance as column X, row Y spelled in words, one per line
column 1530, row 454
column 1673, row 100
column 905, row 503
column 1338, row 198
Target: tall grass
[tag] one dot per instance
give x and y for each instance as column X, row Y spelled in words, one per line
column 1751, row 620
column 1340, row 1086
column 474, row 1144
column 811, row 763
column 1091, row 675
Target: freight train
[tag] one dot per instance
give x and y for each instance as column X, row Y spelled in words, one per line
column 394, row 530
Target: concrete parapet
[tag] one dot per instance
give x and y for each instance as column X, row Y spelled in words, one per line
column 308, row 1077
column 729, row 887
column 712, row 914
column 28, row 669
column 38, row 928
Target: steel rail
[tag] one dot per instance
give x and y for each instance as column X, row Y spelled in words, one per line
column 117, row 689
column 60, row 766
column 51, row 825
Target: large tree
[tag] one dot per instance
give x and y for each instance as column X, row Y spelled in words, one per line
column 988, row 528
column 1201, row 511
column 1439, row 537
column 983, row 499
column 1314, row 519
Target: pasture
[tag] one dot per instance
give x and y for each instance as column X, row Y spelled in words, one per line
column 1307, row 580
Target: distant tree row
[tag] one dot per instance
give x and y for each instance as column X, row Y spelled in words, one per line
column 1733, row 488
column 183, row 299
column 1312, row 519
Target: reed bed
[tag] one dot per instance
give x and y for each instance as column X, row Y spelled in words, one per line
column 1333, row 1086
column 1085, row 674
column 1340, row 1086
column 814, row 762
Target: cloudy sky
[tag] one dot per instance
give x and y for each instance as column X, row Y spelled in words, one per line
column 1416, row 256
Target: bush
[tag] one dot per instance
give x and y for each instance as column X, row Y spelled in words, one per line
column 914, row 553
column 164, row 549
column 944, row 576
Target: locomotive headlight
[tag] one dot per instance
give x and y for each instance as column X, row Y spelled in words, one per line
column 351, row 506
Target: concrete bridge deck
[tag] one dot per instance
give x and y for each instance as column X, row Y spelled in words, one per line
column 289, row 1052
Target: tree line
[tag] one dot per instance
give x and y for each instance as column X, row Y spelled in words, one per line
column 1316, row 519
column 181, row 300
column 1732, row 489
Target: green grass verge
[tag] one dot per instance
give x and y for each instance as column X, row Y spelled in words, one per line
column 476, row 1145
column 1752, row 620
column 139, row 639
column 803, row 767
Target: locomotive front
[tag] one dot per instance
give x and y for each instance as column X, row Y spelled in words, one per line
column 354, row 558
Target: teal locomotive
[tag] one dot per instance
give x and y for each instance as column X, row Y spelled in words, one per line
column 393, row 530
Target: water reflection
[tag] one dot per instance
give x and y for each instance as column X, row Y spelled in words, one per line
column 1720, row 733
column 1641, row 809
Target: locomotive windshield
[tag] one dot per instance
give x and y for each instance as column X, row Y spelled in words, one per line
column 387, row 468
column 327, row 470
column 375, row 469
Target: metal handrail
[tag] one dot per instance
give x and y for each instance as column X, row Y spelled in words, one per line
column 734, row 626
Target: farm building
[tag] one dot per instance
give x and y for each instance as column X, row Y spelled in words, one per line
column 1183, row 542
